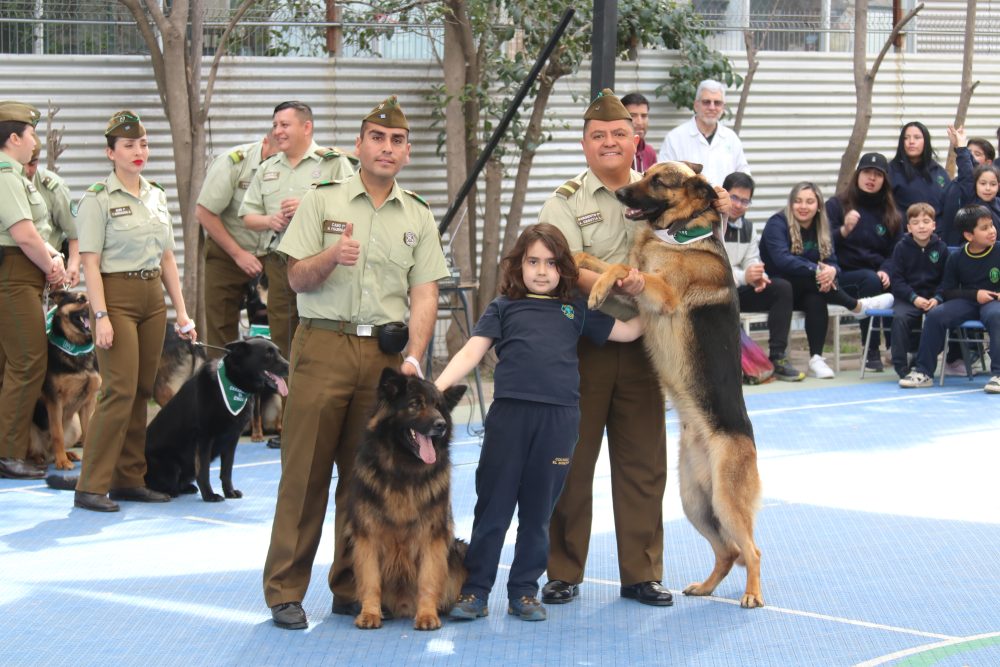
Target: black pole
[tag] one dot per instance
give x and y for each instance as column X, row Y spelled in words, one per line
column 604, row 46
column 463, row 192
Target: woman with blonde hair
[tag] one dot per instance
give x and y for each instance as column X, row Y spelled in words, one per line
column 797, row 245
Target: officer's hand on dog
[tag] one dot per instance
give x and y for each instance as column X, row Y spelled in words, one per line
column 723, row 202
column 347, row 251
column 184, row 326
column 632, row 284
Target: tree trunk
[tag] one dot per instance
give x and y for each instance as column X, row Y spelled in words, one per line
column 752, row 64
column 488, row 273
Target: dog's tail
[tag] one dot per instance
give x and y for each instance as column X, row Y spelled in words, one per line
column 62, row 482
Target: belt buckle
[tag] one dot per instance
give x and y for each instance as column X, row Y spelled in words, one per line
column 146, row 274
column 364, row 330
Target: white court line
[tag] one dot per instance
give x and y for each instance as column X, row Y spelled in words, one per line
column 28, row 489
column 795, row 612
column 215, row 522
column 924, row 649
column 890, row 399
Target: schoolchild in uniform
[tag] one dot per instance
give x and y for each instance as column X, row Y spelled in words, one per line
column 918, row 262
column 27, row 261
column 59, row 201
column 127, row 248
column 969, row 290
column 532, row 426
column 970, row 153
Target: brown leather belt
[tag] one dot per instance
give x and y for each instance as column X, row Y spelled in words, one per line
column 13, row 249
column 362, row 330
column 141, row 274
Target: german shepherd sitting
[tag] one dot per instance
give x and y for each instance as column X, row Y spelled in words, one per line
column 691, row 317
column 205, row 419
column 69, row 393
column 406, row 557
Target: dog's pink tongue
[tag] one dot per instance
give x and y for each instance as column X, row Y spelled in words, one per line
column 278, row 380
column 427, row 453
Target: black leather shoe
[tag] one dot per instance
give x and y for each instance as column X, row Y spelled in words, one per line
column 139, row 494
column 559, row 592
column 354, row 608
column 95, row 502
column 20, row 469
column 289, row 616
column 274, row 443
column 649, row 592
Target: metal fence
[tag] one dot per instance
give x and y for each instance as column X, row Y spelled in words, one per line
column 304, row 28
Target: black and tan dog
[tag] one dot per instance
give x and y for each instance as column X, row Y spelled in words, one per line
column 69, row 393
column 406, row 557
column 205, row 418
column 179, row 361
column 691, row 317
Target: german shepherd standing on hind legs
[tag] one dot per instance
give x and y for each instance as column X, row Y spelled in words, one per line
column 406, row 557
column 691, row 317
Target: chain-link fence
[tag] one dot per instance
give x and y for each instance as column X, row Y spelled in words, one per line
column 320, row 28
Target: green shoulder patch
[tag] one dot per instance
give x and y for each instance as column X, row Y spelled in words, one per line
column 236, row 157
column 567, row 189
column 417, row 197
column 157, row 185
column 6, row 167
column 50, row 183
column 328, row 153
column 353, row 159
column 96, row 187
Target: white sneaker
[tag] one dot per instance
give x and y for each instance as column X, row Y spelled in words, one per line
column 957, row 369
column 819, row 369
column 917, row 380
column 877, row 302
column 993, row 386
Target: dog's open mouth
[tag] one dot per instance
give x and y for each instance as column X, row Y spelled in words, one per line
column 644, row 213
column 424, row 447
column 277, row 383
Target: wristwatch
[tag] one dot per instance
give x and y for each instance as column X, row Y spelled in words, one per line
column 100, row 314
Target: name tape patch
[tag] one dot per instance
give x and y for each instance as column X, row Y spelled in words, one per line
column 334, row 227
column 589, row 219
column 121, row 211
column 271, row 176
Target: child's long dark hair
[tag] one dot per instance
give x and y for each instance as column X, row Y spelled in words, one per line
column 511, row 277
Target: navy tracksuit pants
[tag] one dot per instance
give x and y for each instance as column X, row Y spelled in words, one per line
column 524, row 461
column 951, row 314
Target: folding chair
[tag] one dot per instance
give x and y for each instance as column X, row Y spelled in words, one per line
column 880, row 320
column 970, row 332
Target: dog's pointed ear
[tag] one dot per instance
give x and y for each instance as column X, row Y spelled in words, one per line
column 695, row 167
column 454, row 394
column 699, row 188
column 235, row 346
column 392, row 384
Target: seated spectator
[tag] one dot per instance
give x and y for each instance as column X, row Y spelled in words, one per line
column 914, row 173
column 638, row 107
column 968, row 291
column 797, row 245
column 918, row 262
column 866, row 227
column 704, row 140
column 969, row 155
column 758, row 293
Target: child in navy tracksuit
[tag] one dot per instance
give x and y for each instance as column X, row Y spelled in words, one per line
column 532, row 426
column 970, row 290
column 966, row 190
column 917, row 268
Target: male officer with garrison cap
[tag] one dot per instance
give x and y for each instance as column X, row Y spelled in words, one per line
column 619, row 389
column 355, row 247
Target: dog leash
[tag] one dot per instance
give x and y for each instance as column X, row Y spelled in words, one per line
column 214, row 347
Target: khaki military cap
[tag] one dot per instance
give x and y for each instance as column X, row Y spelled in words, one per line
column 607, row 107
column 37, row 150
column 125, row 124
column 19, row 112
column 388, row 114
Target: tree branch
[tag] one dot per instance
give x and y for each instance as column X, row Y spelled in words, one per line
column 220, row 51
column 752, row 64
column 896, row 29
column 148, row 36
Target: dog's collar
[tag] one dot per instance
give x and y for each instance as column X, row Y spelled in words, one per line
column 72, row 349
column 234, row 397
column 684, row 236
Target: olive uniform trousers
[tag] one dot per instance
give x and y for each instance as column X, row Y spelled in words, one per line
column 23, row 349
column 114, row 454
column 333, row 382
column 282, row 311
column 225, row 286
column 618, row 389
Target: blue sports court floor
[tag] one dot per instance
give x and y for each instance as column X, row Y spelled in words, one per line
column 879, row 533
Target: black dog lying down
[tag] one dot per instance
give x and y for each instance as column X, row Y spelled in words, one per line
column 205, row 419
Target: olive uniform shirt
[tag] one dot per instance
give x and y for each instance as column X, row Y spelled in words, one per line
column 20, row 200
column 276, row 180
column 593, row 220
column 400, row 248
column 59, row 201
column 129, row 233
column 226, row 183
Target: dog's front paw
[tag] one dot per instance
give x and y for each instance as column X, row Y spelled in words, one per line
column 698, row 589
column 212, row 498
column 752, row 600
column 368, row 621
column 234, row 493
column 72, row 456
column 190, row 488
column 425, row 621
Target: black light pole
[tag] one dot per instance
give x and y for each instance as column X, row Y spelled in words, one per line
column 604, row 46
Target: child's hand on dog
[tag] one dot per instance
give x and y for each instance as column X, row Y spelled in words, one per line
column 632, row 284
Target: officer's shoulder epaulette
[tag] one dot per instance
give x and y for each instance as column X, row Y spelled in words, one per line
column 236, row 157
column 96, row 187
column 334, row 181
column 50, row 182
column 328, row 153
column 417, row 197
column 157, row 185
column 6, row 166
column 568, row 189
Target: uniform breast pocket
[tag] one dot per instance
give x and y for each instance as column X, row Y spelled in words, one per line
column 402, row 255
column 124, row 223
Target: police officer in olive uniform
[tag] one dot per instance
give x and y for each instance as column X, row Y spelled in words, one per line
column 27, row 261
column 234, row 254
column 355, row 247
column 126, row 244
column 273, row 197
column 59, row 201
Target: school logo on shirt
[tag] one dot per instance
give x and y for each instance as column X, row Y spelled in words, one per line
column 589, row 219
column 995, row 275
column 271, row 176
column 121, row 211
column 569, row 312
column 934, row 256
column 334, row 227
column 410, row 239
column 880, row 229
column 940, row 181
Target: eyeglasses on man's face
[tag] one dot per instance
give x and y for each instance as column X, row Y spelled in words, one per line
column 711, row 103
column 736, row 199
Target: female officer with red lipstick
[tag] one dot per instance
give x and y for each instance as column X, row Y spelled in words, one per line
column 127, row 249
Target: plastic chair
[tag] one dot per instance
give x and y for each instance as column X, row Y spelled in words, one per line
column 881, row 320
column 968, row 332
